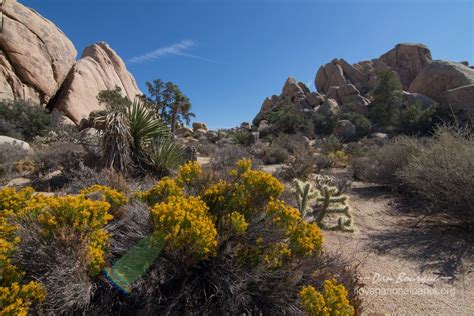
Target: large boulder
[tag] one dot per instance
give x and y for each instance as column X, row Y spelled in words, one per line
column 443, row 81
column 35, row 56
column 345, row 129
column 411, row 98
column 349, row 97
column 329, row 75
column 314, row 99
column 292, row 89
column 15, row 142
column 461, row 99
column 199, row 125
column 329, row 107
column 100, row 68
column 407, row 60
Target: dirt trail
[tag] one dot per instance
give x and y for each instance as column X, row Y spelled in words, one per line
column 423, row 270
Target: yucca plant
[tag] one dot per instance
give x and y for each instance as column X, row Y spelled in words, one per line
column 241, row 137
column 144, row 125
column 164, row 155
column 116, row 141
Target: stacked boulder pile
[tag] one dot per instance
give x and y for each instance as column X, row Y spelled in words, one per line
column 342, row 86
column 38, row 64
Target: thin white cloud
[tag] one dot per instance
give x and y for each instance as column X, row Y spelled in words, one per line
column 178, row 49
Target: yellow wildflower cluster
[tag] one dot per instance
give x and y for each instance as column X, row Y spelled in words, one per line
column 217, row 196
column 333, row 301
column 115, row 198
column 242, row 166
column 12, row 200
column 187, row 226
column 17, row 299
column 339, row 158
column 163, row 189
column 60, row 217
column 189, row 172
column 276, row 254
column 236, row 222
column 304, row 238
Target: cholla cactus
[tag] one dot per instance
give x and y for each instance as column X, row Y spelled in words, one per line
column 329, row 200
column 304, row 192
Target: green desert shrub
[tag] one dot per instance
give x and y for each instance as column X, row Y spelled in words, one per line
column 22, row 120
column 288, row 119
column 442, row 173
column 416, row 120
column 323, row 124
column 241, row 137
column 10, row 155
column 273, row 154
column 301, row 166
column 383, row 162
column 385, row 107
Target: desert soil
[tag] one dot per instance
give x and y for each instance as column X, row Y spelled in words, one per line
column 409, row 264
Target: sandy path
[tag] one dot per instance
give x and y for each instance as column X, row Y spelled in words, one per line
column 424, row 270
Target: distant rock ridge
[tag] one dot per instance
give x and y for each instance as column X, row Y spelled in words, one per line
column 341, row 85
column 38, row 64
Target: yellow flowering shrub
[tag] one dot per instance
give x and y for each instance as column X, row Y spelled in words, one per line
column 17, row 299
column 187, row 226
column 163, row 189
column 339, row 158
column 236, row 222
column 312, row 302
column 335, row 296
column 115, row 198
column 189, row 172
column 12, row 200
column 242, row 166
column 333, row 301
column 67, row 216
column 275, row 254
column 218, row 196
column 304, row 238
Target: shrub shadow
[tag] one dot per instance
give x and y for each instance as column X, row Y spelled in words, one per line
column 439, row 246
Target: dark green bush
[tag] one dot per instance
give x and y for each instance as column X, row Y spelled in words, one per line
column 414, row 119
column 385, row 108
column 323, row 124
column 25, row 121
column 288, row 119
column 241, row 137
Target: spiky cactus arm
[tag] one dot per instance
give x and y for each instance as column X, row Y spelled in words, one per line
column 331, row 204
column 305, row 192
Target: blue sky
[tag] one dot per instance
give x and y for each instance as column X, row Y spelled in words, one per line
column 227, row 56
